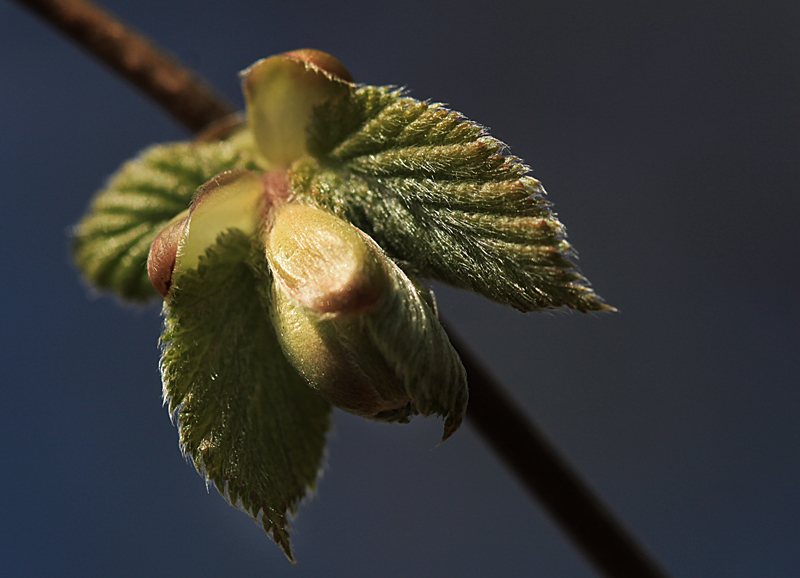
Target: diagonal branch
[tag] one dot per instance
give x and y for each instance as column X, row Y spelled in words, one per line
column 549, row 478
column 517, row 441
column 184, row 95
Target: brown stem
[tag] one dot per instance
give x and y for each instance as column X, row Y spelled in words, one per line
column 510, row 433
column 184, row 95
column 549, row 478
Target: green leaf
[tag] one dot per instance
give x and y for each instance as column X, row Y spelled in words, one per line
column 112, row 241
column 247, row 420
column 437, row 192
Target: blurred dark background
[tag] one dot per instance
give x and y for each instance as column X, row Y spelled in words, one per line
column 667, row 135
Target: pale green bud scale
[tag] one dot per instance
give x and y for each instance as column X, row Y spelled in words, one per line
column 231, row 200
column 281, row 93
column 323, row 262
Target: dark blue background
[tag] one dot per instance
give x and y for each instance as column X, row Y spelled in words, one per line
column 667, row 135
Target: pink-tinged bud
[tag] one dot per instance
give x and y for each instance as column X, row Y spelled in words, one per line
column 327, row 265
column 355, row 326
column 328, row 277
column 164, row 252
column 231, row 200
column 338, row 360
column 281, row 93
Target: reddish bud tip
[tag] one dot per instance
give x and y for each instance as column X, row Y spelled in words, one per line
column 325, row 263
column 323, row 61
column 163, row 254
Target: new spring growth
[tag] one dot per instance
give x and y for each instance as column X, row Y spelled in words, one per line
column 333, row 286
column 288, row 255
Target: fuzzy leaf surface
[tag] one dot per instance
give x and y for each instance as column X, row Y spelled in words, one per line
column 111, row 243
column 439, row 194
column 407, row 333
column 247, row 420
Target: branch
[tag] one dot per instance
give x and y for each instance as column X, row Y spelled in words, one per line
column 185, row 96
column 538, row 465
column 549, row 478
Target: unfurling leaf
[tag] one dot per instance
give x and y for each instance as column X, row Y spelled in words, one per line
column 247, row 420
column 436, row 192
column 356, row 327
column 112, row 241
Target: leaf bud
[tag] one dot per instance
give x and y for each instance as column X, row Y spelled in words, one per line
column 231, row 200
column 281, row 93
column 355, row 326
column 323, row 262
